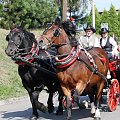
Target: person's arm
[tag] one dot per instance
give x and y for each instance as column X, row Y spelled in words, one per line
column 80, row 42
column 97, row 42
column 114, row 46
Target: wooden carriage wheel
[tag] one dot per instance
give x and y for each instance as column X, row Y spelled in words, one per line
column 113, row 95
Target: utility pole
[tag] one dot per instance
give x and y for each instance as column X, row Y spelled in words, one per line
column 64, row 10
column 93, row 13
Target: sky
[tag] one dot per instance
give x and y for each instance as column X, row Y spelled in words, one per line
column 105, row 4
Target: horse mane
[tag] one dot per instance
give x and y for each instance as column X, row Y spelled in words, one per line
column 30, row 35
column 27, row 34
column 69, row 28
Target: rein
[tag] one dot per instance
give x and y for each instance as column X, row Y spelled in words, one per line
column 53, row 74
column 51, row 43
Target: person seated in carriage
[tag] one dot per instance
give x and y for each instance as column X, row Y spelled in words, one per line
column 108, row 44
column 89, row 39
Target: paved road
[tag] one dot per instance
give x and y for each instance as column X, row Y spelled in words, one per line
column 21, row 110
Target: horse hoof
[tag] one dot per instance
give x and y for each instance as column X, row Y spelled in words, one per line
column 97, row 118
column 44, row 109
column 92, row 114
column 58, row 112
column 68, row 118
column 51, row 110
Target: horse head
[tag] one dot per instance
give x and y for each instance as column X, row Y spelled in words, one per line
column 20, row 42
column 58, row 35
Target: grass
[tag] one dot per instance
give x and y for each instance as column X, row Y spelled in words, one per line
column 10, row 82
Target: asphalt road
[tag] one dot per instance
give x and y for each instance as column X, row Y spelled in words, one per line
column 20, row 109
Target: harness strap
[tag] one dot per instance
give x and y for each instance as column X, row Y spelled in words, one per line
column 89, row 56
column 53, row 74
column 94, row 71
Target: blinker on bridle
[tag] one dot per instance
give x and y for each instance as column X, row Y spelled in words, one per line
column 56, row 33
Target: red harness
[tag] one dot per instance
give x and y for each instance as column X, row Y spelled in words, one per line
column 71, row 61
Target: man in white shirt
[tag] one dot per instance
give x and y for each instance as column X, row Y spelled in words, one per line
column 89, row 39
column 108, row 43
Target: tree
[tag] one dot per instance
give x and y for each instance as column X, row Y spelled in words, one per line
column 28, row 13
column 119, row 24
column 89, row 18
column 97, row 20
column 113, row 20
column 104, row 17
column 74, row 6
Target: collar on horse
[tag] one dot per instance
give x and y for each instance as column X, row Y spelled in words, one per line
column 69, row 60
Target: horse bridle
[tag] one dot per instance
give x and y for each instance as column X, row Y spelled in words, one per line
column 17, row 50
column 57, row 33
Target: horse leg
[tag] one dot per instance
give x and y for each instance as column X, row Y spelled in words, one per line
column 100, row 87
column 60, row 99
column 50, row 103
column 30, row 92
column 67, row 93
column 36, row 104
column 92, row 100
column 34, row 109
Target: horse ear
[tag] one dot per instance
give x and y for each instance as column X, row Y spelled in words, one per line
column 32, row 36
column 57, row 21
column 12, row 27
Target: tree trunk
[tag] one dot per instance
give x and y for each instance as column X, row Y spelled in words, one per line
column 64, row 10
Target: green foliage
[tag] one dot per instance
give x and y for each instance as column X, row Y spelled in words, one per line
column 98, row 20
column 28, row 13
column 104, row 17
column 89, row 18
column 119, row 23
column 113, row 20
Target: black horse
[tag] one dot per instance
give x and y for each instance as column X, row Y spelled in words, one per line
column 35, row 73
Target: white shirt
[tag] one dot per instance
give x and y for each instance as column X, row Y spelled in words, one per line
column 113, row 43
column 96, row 43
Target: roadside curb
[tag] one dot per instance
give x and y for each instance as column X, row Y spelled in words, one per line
column 13, row 100
column 18, row 99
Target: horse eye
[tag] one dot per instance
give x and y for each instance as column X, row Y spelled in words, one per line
column 41, row 41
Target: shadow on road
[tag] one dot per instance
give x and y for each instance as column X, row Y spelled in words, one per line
column 24, row 115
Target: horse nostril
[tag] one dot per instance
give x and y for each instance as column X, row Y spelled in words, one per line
column 11, row 50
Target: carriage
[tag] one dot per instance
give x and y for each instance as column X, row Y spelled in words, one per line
column 113, row 91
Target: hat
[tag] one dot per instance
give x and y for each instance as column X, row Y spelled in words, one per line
column 104, row 30
column 89, row 27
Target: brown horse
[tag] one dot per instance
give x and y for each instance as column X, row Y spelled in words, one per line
column 74, row 69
